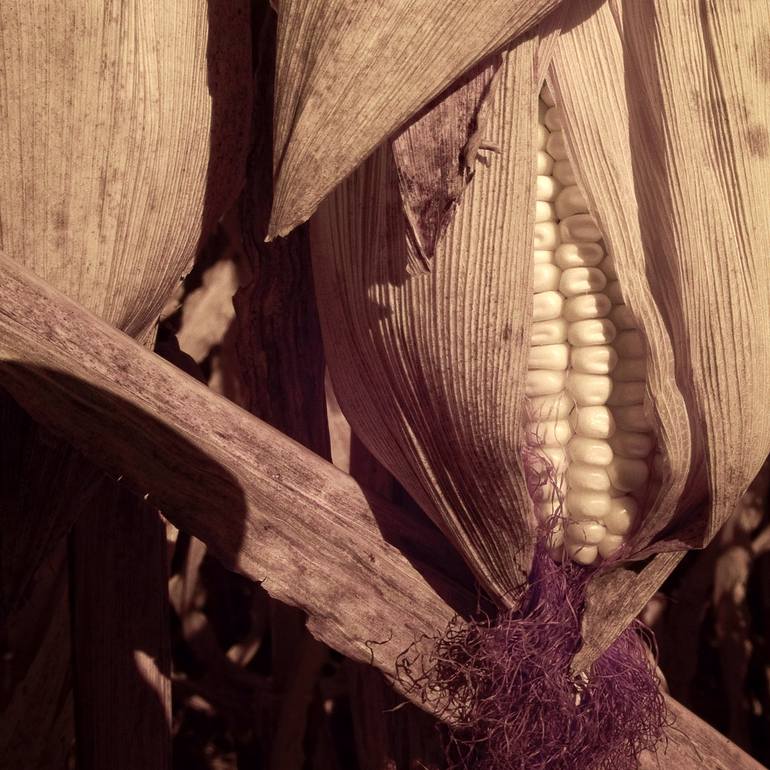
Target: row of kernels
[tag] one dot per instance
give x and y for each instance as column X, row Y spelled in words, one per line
column 589, row 334
column 550, row 429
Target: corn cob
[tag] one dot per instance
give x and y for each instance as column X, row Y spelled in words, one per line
column 586, row 377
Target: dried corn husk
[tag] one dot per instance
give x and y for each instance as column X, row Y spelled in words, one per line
column 349, row 74
column 666, row 111
column 666, row 131
column 426, row 368
column 122, row 138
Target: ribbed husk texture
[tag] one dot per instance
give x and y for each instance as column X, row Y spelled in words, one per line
column 123, row 135
column 666, row 109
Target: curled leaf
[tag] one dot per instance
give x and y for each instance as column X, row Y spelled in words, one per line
column 121, row 143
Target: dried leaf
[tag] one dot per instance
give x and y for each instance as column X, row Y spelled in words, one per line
column 427, row 368
column 122, row 140
column 349, row 74
column 668, row 133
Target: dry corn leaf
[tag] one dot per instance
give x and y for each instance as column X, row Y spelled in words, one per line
column 427, row 368
column 668, row 130
column 122, row 138
column 350, row 73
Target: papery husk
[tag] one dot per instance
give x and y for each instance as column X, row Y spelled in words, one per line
column 435, row 155
column 349, row 74
column 666, row 111
column 122, row 140
column 428, row 368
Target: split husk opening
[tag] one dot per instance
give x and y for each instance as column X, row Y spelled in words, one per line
column 429, row 368
column 422, row 263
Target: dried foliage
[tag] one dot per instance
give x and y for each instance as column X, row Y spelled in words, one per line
column 108, row 195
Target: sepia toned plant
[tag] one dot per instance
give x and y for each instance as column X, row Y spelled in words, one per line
column 620, row 222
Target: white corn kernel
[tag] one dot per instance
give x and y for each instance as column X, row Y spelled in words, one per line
column 632, row 418
column 636, row 445
column 542, row 136
column 582, row 554
column 549, row 357
column 579, row 227
column 549, row 332
column 627, row 393
column 593, row 422
column 622, row 317
column 585, row 476
column 556, row 146
column 608, row 268
column 585, row 532
column 546, row 188
column 612, row 290
column 570, row 201
column 583, row 504
column 554, row 407
column 593, row 331
column 551, row 489
column 547, row 305
column 621, row 515
column 544, row 162
column 584, row 306
column 552, row 119
column 544, row 212
column 546, row 236
column 563, row 171
column 581, row 280
column 554, row 459
column 543, row 382
column 545, row 509
column 547, row 277
column 593, row 451
column 630, row 369
column 630, row 344
column 594, row 359
column 579, row 255
column 542, row 256
column 589, row 389
column 610, row 545
column 552, row 433
column 628, row 475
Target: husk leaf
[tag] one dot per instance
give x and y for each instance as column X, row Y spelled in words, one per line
column 349, row 74
column 667, row 128
column 426, row 368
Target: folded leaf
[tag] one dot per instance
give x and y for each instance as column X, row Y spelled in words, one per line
column 435, row 155
column 349, row 74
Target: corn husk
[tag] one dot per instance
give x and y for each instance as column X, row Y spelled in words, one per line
column 666, row 112
column 349, row 74
column 427, row 368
